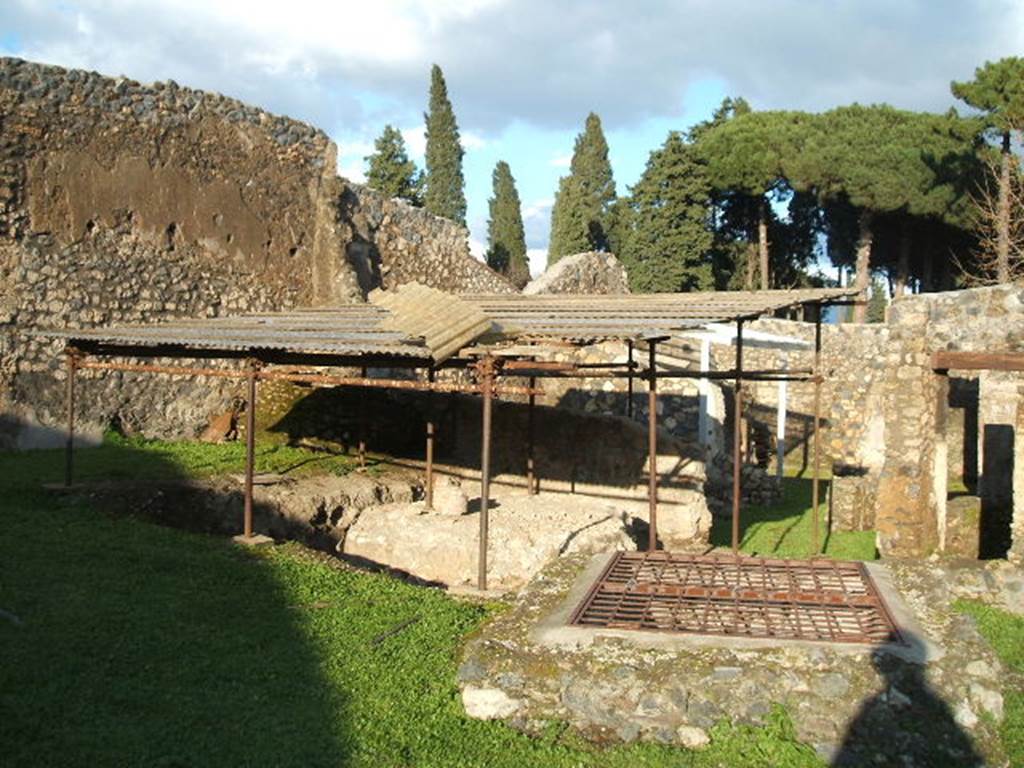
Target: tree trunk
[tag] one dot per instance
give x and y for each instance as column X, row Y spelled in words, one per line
column 748, row 278
column 762, row 241
column 1003, row 222
column 903, row 261
column 864, row 240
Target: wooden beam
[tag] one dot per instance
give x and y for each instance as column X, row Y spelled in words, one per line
column 978, row 361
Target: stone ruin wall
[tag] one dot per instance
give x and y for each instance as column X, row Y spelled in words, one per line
column 389, row 242
column 889, row 443
column 122, row 202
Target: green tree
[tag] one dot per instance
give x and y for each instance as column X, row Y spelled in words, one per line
column 506, row 240
column 746, row 156
column 669, row 248
column 878, row 160
column 445, row 186
column 998, row 90
column 390, row 169
column 582, row 216
column 877, row 303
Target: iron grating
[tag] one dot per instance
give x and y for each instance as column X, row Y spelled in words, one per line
column 823, row 600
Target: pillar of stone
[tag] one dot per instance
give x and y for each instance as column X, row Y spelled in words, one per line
column 1016, row 553
column 906, row 511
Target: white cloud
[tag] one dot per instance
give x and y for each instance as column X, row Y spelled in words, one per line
column 353, row 172
column 478, row 248
column 471, row 141
column 561, row 161
column 538, row 209
column 415, row 141
column 538, row 260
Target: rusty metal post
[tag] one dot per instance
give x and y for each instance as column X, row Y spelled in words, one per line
column 652, row 448
column 72, row 361
column 361, row 449
column 737, row 437
column 629, row 381
column 429, row 504
column 815, row 536
column 486, row 369
column 250, row 447
column 531, row 480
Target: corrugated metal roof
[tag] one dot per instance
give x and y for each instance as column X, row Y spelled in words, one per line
column 444, row 322
column 419, row 322
column 588, row 317
column 353, row 330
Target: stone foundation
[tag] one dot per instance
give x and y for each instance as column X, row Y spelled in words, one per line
column 931, row 702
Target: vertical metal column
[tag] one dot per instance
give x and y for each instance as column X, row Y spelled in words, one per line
column 250, row 447
column 629, row 380
column 652, row 447
column 817, row 431
column 531, row 480
column 361, row 449
column 72, row 361
column 486, row 370
column 429, row 503
column 737, row 438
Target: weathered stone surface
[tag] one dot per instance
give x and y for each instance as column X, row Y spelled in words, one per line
column 526, row 533
column 449, row 498
column 857, row 707
column 124, row 202
column 488, row 703
column 582, row 273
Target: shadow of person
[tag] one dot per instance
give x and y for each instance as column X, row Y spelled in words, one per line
column 906, row 724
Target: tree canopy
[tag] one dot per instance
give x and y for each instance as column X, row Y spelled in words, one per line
column 506, row 240
column 668, row 247
column 445, row 193
column 582, row 218
column 390, row 170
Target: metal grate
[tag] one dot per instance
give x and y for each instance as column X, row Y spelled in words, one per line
column 825, row 600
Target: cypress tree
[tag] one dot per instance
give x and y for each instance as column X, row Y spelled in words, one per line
column 390, row 169
column 581, row 219
column 506, row 240
column 445, row 194
column 670, row 246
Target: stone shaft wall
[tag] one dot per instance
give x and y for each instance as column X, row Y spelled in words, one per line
column 122, row 202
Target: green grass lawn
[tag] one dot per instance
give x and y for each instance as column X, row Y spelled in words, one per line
column 785, row 529
column 145, row 645
column 1005, row 632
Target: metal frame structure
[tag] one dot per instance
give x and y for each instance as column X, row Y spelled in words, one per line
column 494, row 336
column 823, row 600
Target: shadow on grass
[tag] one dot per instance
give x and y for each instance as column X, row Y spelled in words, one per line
column 144, row 645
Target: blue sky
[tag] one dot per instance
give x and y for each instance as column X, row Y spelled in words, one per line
column 523, row 74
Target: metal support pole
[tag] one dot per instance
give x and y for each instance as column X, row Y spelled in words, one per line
column 531, row 480
column 629, row 381
column 250, row 447
column 72, row 360
column 652, row 448
column 737, row 437
column 816, row 543
column 429, row 504
column 487, row 385
column 361, row 449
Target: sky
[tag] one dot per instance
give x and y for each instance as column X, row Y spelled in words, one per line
column 523, row 74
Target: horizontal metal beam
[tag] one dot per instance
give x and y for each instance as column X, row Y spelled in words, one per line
column 978, row 361
column 303, row 378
